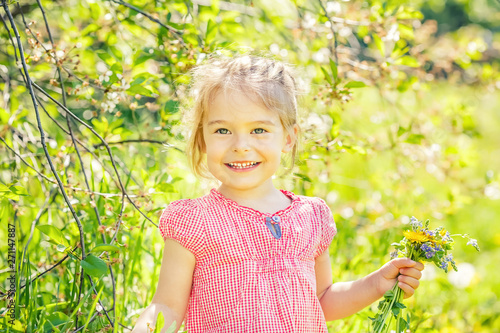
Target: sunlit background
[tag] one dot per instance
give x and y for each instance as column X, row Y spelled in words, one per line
column 399, row 112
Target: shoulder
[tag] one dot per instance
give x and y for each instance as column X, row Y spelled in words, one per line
column 184, row 221
column 323, row 222
column 315, row 204
column 319, row 208
column 188, row 208
column 183, row 217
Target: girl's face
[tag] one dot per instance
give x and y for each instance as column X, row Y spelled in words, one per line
column 243, row 142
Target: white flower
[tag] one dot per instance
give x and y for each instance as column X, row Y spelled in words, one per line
column 105, row 76
column 333, row 7
column 393, row 34
column 114, row 97
column 108, row 106
column 124, row 85
column 473, row 242
column 492, row 191
column 415, row 224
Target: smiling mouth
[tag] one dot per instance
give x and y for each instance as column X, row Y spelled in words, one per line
column 245, row 165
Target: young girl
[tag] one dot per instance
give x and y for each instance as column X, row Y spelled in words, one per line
column 248, row 257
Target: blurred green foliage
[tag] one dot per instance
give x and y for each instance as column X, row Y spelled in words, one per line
column 399, row 116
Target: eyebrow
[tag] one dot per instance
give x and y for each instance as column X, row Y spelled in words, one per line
column 222, row 122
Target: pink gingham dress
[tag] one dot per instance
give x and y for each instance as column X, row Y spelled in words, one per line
column 245, row 280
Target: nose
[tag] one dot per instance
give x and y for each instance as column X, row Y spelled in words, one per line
column 241, row 144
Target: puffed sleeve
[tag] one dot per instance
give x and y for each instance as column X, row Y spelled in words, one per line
column 328, row 228
column 182, row 221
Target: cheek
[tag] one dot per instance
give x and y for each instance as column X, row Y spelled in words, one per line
column 213, row 151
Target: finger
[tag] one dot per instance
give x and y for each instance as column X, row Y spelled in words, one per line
column 411, row 282
column 408, row 286
column 404, row 262
column 420, row 266
column 408, row 291
column 392, row 268
column 412, row 272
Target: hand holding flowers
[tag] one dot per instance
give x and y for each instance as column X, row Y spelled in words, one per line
column 404, row 272
column 419, row 244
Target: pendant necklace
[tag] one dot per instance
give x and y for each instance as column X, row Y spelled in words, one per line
column 273, row 225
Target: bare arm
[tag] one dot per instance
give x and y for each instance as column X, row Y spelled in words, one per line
column 342, row 299
column 174, row 287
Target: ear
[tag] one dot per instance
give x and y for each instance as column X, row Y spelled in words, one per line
column 290, row 139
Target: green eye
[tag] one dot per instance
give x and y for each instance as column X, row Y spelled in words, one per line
column 222, row 131
column 259, row 130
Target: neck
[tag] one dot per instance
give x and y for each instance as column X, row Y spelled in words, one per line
column 265, row 192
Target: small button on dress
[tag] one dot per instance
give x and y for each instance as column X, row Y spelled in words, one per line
column 254, row 271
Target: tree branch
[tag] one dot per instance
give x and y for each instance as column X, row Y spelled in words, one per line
column 172, row 30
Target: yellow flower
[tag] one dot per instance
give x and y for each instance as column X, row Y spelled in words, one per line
column 416, row 237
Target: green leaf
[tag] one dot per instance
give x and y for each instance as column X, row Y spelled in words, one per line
column 72, row 256
column 55, row 319
column 4, row 188
column 402, row 130
column 13, row 325
column 211, row 31
column 172, row 328
column 19, row 190
column 389, row 294
column 404, row 85
column 117, row 68
column 407, row 13
column 160, row 322
column 106, row 57
column 93, row 308
column 415, row 138
column 407, row 61
column 399, row 305
column 53, row 233
column 61, row 248
column 94, row 266
column 101, row 125
column 327, row 76
column 379, row 44
column 395, row 311
column 333, row 66
column 171, row 107
column 403, row 324
column 355, row 149
column 406, row 31
column 355, row 84
column 303, row 177
column 105, row 247
column 138, row 89
column 165, row 188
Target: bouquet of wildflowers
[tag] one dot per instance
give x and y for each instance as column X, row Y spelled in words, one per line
column 419, row 244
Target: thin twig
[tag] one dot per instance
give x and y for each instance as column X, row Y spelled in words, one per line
column 48, row 270
column 175, row 32
column 325, row 12
column 32, row 94
column 141, row 140
column 27, row 164
column 42, row 133
column 102, row 140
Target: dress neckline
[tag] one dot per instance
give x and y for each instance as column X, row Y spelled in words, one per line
column 251, row 211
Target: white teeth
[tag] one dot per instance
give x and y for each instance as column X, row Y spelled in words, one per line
column 242, row 165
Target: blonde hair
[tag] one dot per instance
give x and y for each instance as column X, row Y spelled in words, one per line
column 268, row 80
